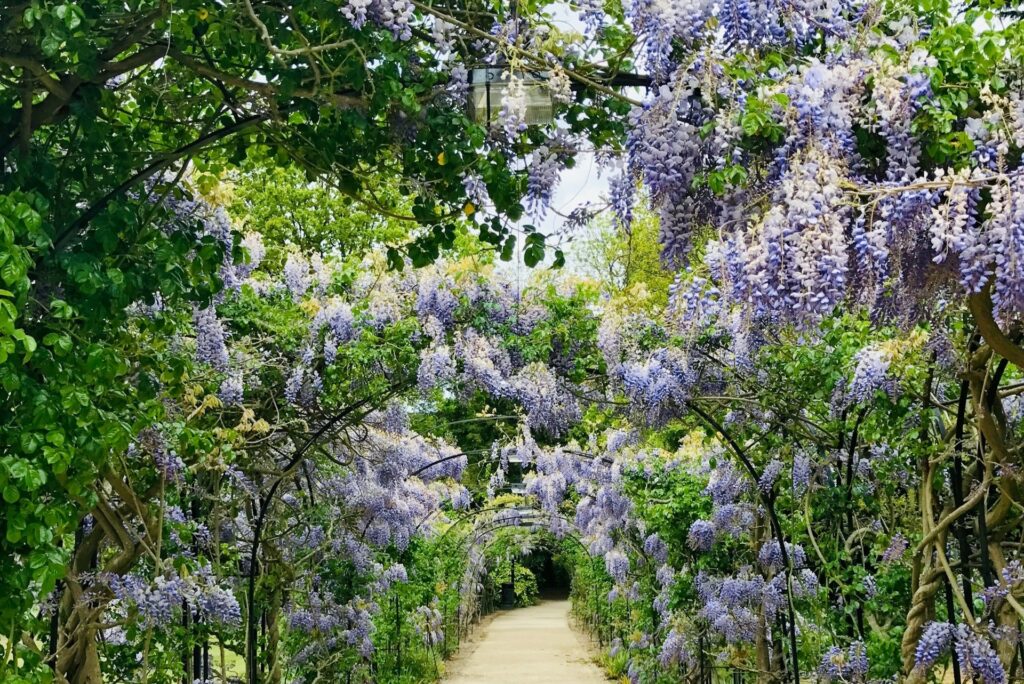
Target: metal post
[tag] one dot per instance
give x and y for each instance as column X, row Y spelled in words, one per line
column 487, row 92
column 951, row 616
column 197, row 652
column 398, row 636
column 700, row 648
column 186, row 660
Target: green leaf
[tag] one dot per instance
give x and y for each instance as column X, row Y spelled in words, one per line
column 559, row 259
column 533, row 254
column 509, row 248
column 51, row 45
column 29, row 442
column 61, row 309
column 11, row 494
column 12, row 271
column 395, row 260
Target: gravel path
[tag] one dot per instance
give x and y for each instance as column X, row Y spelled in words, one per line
column 532, row 645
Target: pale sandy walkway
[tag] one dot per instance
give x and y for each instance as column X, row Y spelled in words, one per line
column 532, row 645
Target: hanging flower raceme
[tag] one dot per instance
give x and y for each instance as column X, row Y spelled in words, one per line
column 850, row 665
column 158, row 602
column 974, row 653
column 430, row 624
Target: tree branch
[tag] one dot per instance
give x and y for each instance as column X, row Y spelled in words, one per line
column 64, row 237
column 981, row 309
column 339, row 99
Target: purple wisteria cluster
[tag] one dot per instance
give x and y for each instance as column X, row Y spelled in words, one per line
column 803, row 470
column 897, row 547
column 429, row 623
column 1010, row 579
column 395, row 15
column 655, row 378
column 545, row 169
column 211, row 340
column 151, row 444
column 732, row 605
column 973, row 651
column 820, row 227
column 188, row 211
column 730, row 514
column 555, row 471
column 770, row 556
column 157, row 602
column 850, row 665
column 667, row 152
column 329, row 624
column 870, row 375
column 549, row 405
column 769, row 475
column 459, row 352
column 386, row 487
column 741, row 25
column 335, row 625
column 658, row 386
column 736, row 607
column 674, row 650
column 304, row 275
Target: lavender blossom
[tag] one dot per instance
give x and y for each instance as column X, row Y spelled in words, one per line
column 977, row 658
column 296, row 275
column 769, row 475
column 232, row 389
column 869, row 375
column 801, row 473
column 211, row 345
column 935, row 640
column 701, row 536
column 897, row 547
column 617, row 564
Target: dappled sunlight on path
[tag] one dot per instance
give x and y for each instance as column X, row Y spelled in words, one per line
column 527, row 646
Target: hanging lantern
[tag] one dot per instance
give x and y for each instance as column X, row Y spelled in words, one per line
column 489, row 87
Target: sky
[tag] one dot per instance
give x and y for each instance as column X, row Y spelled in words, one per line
column 581, row 184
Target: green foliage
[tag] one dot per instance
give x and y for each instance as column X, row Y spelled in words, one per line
column 622, row 260
column 69, row 380
column 434, row 567
column 526, row 590
column 287, row 208
column 968, row 62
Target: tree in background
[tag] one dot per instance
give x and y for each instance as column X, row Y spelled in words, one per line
column 286, row 208
column 623, row 257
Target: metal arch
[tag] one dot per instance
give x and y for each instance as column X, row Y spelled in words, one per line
column 604, row 460
column 473, row 513
column 572, row 452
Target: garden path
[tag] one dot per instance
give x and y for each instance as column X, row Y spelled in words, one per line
column 533, row 645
